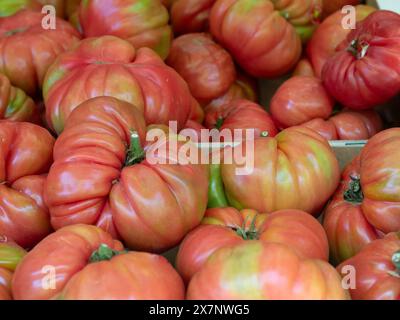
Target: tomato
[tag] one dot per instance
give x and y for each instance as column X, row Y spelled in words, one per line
column 10, row 255
column 10, row 7
column 329, row 34
column 331, row 6
column 257, row 270
column 190, row 15
column 90, row 265
column 150, row 205
column 111, row 66
column 227, row 227
column 365, row 71
column 377, row 270
column 15, row 105
column 25, row 155
column 167, row 3
column 297, row 169
column 300, row 99
column 203, row 64
column 304, row 68
column 141, row 22
column 240, row 114
column 258, row 37
column 348, row 125
column 27, row 49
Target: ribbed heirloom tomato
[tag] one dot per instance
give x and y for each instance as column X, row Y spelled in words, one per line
column 365, row 71
column 10, row 255
column 109, row 66
column 25, row 155
column 377, row 270
column 101, row 175
column 367, row 204
column 207, row 68
column 89, row 265
column 227, row 227
column 27, row 49
column 265, row 271
column 143, row 23
column 297, row 169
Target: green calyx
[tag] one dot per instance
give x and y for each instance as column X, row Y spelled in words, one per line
column 219, row 123
column 250, row 233
column 104, row 253
column 358, row 48
column 354, row 192
column 396, row 262
column 135, row 153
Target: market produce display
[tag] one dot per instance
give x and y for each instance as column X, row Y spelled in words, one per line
column 199, row 150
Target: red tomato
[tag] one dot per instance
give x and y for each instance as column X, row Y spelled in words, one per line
column 190, row 15
column 297, row 169
column 329, row 34
column 26, row 154
column 366, row 70
column 304, row 68
column 149, row 205
column 299, row 100
column 257, row 36
column 207, row 68
column 377, row 270
column 10, row 255
column 265, row 271
column 227, row 227
column 348, row 125
column 110, row 66
column 240, row 114
column 90, row 265
column 27, row 49
column 331, row 6
column 143, row 23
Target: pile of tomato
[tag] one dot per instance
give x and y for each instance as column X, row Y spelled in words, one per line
column 89, row 205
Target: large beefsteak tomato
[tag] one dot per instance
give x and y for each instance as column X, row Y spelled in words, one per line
column 267, row 271
column 143, row 23
column 27, row 49
column 150, row 205
column 88, row 264
column 365, row 71
column 377, row 270
column 25, row 155
column 109, row 66
column 297, row 169
column 300, row 99
column 227, row 227
column 10, row 255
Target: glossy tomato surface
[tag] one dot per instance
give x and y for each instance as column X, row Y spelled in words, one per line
column 143, row 23
column 227, row 227
column 28, row 50
column 365, row 72
column 109, row 66
column 257, row 270
column 26, row 154
column 122, row 183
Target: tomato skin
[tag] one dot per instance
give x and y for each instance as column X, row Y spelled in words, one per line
column 22, row 39
column 26, row 154
column 263, row 271
column 118, row 70
column 206, row 66
column 189, row 16
column 348, row 125
column 96, row 137
column 218, row 231
column 236, row 25
column 366, row 70
column 304, row 68
column 142, row 23
column 241, row 114
column 376, row 277
column 299, row 100
column 328, row 36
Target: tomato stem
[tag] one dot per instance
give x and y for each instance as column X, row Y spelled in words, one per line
column 358, row 48
column 396, row 261
column 354, row 192
column 219, row 123
column 135, row 153
column 248, row 233
column 104, row 252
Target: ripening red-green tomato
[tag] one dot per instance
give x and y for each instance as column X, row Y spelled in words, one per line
column 89, row 265
column 228, row 227
column 304, row 68
column 257, row 270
